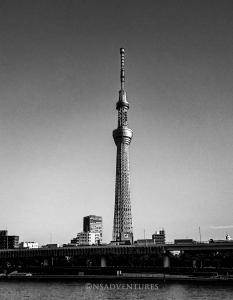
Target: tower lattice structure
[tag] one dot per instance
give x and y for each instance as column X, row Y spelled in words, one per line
column 122, row 225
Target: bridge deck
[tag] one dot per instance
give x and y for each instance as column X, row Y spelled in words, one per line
column 114, row 250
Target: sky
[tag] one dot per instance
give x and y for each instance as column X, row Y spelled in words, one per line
column 59, row 83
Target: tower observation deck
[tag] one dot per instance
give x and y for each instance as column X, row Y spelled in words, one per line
column 122, row 224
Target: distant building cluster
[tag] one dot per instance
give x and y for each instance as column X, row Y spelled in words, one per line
column 158, row 238
column 8, row 241
column 29, row 245
column 12, row 242
column 92, row 232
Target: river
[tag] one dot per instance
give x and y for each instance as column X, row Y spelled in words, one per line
column 21, row 290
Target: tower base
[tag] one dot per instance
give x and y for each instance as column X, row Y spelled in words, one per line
column 125, row 239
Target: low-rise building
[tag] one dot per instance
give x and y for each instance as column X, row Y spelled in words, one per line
column 159, row 237
column 184, row 241
column 144, row 242
column 51, row 246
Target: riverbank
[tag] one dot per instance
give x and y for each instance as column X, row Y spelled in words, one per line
column 158, row 278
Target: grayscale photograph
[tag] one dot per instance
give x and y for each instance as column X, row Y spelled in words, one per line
column 116, row 155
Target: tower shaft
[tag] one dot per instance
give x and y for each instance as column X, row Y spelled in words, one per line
column 122, row 226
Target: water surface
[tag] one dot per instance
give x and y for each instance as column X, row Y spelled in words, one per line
column 75, row 290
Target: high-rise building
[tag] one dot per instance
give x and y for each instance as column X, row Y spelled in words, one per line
column 3, row 232
column 94, row 224
column 122, row 224
column 8, row 241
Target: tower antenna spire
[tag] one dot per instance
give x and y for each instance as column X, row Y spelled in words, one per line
column 122, row 53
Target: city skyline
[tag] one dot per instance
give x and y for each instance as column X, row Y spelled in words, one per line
column 59, row 82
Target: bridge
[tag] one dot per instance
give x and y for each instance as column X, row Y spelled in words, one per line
column 192, row 255
column 79, row 251
column 135, row 249
column 200, row 246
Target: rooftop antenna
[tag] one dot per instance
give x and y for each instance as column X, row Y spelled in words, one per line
column 200, row 233
column 122, row 75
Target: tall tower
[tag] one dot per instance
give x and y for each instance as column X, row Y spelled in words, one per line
column 122, row 226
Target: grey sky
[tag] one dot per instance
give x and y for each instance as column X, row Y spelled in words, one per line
column 59, row 82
